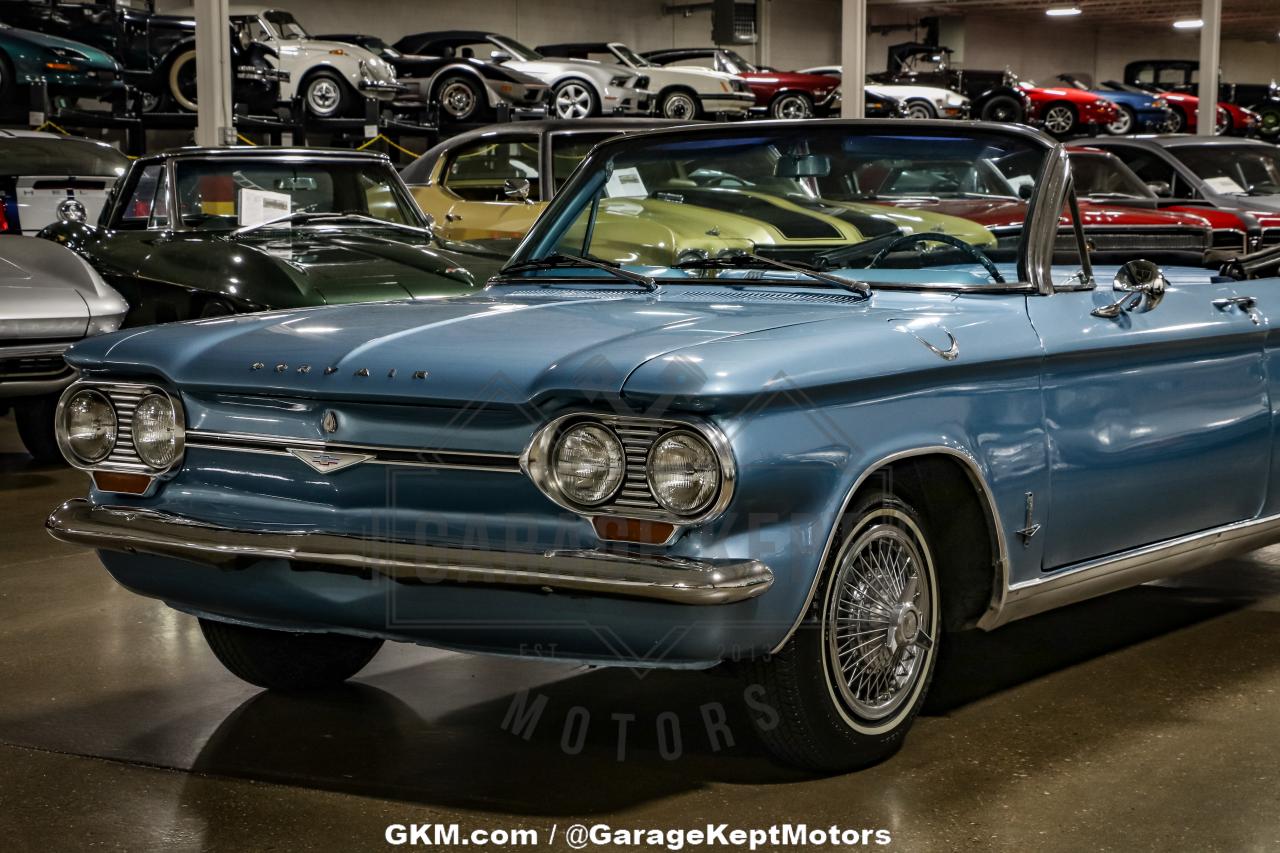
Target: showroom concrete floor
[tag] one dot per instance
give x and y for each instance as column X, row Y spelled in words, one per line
column 1147, row 720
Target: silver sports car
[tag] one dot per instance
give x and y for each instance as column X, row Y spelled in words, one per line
column 49, row 299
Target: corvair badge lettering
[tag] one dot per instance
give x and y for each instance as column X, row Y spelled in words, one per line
column 327, row 462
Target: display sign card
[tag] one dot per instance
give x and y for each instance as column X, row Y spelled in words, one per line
column 258, row 206
column 626, row 183
column 1223, row 185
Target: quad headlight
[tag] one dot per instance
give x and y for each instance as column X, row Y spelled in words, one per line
column 156, row 432
column 589, row 464
column 683, row 472
column 88, row 427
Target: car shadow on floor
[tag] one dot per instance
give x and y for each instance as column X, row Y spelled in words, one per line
column 617, row 738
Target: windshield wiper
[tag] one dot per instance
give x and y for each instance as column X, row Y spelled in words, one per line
column 1116, row 195
column 303, row 216
column 750, row 261
column 561, row 261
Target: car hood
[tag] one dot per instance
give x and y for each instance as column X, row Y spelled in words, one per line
column 47, row 291
column 96, row 58
column 350, row 266
column 555, row 67
column 995, row 213
column 513, row 345
column 794, row 79
column 324, row 46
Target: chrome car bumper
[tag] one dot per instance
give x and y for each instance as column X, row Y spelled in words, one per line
column 658, row 578
column 33, row 370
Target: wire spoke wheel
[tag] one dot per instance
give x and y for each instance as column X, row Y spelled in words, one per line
column 573, row 101
column 881, row 619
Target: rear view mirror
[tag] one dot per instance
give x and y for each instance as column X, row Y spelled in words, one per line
column 803, row 166
column 500, row 56
column 516, row 188
column 305, row 183
column 1160, row 188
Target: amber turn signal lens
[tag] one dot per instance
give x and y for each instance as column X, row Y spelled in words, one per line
column 633, row 530
column 59, row 66
column 114, row 481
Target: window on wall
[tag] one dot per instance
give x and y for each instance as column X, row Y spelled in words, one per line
column 478, row 171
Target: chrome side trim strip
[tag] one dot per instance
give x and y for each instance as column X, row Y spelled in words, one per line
column 506, row 463
column 1130, row 568
column 656, row 578
column 1000, row 583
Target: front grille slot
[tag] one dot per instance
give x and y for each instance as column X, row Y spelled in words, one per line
column 125, row 400
column 34, row 368
column 1271, row 237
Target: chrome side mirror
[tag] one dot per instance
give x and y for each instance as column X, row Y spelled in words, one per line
column 1143, row 285
column 1160, row 188
column 517, row 188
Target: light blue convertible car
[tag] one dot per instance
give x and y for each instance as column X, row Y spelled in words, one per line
column 811, row 459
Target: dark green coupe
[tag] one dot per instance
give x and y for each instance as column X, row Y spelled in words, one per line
column 203, row 232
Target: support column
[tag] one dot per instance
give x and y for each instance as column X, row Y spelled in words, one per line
column 1210, row 48
column 853, row 57
column 213, row 71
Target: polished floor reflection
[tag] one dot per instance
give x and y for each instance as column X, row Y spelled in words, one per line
column 1145, row 720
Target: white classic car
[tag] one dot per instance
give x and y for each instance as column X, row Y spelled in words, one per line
column 331, row 76
column 920, row 101
column 580, row 88
column 49, row 298
column 679, row 93
column 42, row 174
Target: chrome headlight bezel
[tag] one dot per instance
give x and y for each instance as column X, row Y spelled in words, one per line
column 123, row 457
column 537, row 462
column 179, row 438
column 614, row 463
column 694, row 439
column 62, row 434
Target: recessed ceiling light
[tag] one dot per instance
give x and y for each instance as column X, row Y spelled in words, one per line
column 1062, row 11
column 1192, row 24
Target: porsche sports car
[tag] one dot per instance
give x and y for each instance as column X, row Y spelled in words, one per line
column 49, row 299
column 494, row 182
column 206, row 232
column 682, row 92
column 42, row 173
column 816, row 471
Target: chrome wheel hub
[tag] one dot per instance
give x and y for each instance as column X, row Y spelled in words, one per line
column 323, row 96
column 458, row 100
column 880, row 621
column 792, row 108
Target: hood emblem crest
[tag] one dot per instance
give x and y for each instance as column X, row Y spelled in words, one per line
column 326, row 462
column 329, row 422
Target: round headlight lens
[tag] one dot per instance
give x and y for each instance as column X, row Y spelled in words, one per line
column 89, row 423
column 684, row 472
column 155, row 431
column 589, row 464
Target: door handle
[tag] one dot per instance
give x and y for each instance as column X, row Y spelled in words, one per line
column 1244, row 303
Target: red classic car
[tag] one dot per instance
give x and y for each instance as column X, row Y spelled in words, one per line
column 1068, row 111
column 782, row 94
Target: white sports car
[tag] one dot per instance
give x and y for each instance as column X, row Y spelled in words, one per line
column 920, row 101
column 580, row 88
column 678, row 92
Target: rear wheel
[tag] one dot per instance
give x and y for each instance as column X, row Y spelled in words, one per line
column 920, row 109
column 461, row 99
column 182, row 81
column 1124, row 123
column 574, row 99
column 679, row 105
column 846, row 687
column 1177, row 121
column 1269, row 123
column 281, row 660
column 791, row 105
column 35, row 427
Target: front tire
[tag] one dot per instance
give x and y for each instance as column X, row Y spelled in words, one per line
column 791, row 105
column 574, row 99
column 1002, row 108
column 36, row 429
column 182, row 81
column 1177, row 121
column 679, row 105
column 920, row 110
column 281, row 660
column 1060, row 119
column 846, row 687
column 461, row 100
column 1269, row 123
column 326, row 95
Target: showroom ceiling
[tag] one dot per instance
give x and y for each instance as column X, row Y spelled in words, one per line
column 1240, row 18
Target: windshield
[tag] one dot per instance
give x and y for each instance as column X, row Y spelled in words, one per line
column 226, row 193
column 1104, row 175
column 1234, row 169
column 285, row 25
column 835, row 198
column 33, row 155
column 630, row 57
column 516, row 49
column 734, row 62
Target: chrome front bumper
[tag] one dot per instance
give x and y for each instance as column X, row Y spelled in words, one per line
column 658, row 578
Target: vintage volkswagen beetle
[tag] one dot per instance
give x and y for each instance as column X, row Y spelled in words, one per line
column 816, row 468
column 175, row 240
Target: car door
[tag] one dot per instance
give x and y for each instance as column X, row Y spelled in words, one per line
column 1158, row 419
column 475, row 184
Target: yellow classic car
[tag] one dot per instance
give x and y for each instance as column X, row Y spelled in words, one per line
column 493, row 183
